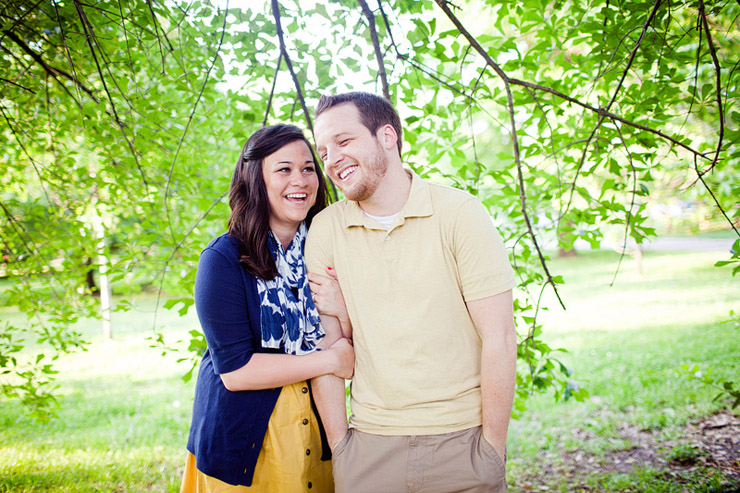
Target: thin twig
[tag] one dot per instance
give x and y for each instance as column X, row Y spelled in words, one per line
column 156, row 29
column 25, row 151
column 89, row 35
column 696, row 80
column 614, row 54
column 712, row 51
column 631, row 59
column 190, row 120
column 27, row 240
column 20, row 19
column 387, row 24
column 417, row 65
column 66, row 47
column 17, row 85
column 272, row 91
column 632, row 204
column 48, row 68
column 128, row 47
column 552, row 144
column 284, row 51
column 376, row 45
column 177, row 247
column 714, row 198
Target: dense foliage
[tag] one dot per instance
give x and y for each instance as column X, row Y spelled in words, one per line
column 121, row 122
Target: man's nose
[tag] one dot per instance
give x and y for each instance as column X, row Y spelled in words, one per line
column 333, row 156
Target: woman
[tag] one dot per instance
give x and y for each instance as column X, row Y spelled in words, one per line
column 254, row 427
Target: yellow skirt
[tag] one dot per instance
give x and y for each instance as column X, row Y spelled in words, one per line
column 290, row 458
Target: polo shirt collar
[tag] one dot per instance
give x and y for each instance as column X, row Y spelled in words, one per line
column 419, row 204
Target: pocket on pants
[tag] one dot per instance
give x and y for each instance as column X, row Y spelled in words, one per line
column 491, row 456
column 342, row 445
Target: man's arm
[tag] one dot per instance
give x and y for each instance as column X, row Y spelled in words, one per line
column 330, row 398
column 328, row 390
column 494, row 318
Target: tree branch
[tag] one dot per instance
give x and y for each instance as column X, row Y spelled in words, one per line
column 17, row 85
column 631, row 59
column 89, row 35
column 510, row 102
column 284, row 51
column 272, row 91
column 190, row 119
column 632, row 204
column 712, row 51
column 714, row 198
column 376, row 45
column 53, row 71
column 156, row 30
column 611, row 116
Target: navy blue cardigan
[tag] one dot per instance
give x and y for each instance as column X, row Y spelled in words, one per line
column 228, row 428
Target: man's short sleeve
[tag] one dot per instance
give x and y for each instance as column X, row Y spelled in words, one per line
column 221, row 303
column 483, row 266
column 318, row 250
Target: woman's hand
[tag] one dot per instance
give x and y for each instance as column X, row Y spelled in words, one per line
column 343, row 355
column 327, row 295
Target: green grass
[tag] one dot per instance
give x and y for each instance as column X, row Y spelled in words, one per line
column 125, row 411
column 625, row 344
column 123, row 419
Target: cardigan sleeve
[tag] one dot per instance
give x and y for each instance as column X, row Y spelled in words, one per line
column 221, row 303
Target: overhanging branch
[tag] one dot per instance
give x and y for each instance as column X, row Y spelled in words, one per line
column 190, row 120
column 376, row 45
column 53, row 71
column 89, row 36
column 289, row 63
column 713, row 52
column 626, row 70
column 510, row 102
column 272, row 91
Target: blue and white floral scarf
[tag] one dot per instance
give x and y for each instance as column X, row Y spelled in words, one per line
column 289, row 323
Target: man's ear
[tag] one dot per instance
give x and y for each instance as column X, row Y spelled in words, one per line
column 387, row 136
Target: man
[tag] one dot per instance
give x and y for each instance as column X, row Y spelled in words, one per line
column 428, row 287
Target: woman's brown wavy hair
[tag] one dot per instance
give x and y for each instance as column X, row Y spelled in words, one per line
column 249, row 221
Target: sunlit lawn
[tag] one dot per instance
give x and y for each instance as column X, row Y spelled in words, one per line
column 123, row 418
column 625, row 344
column 125, row 410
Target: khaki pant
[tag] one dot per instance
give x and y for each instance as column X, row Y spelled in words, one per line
column 462, row 461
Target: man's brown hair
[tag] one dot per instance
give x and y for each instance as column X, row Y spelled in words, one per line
column 374, row 110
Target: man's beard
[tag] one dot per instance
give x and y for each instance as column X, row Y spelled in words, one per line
column 373, row 172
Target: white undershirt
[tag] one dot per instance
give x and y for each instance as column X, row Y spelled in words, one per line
column 384, row 221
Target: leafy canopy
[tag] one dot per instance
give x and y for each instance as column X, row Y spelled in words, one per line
column 121, row 122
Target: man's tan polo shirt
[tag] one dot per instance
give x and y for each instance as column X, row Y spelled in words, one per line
column 417, row 369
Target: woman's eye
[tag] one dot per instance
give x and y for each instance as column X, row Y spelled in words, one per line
column 310, row 169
